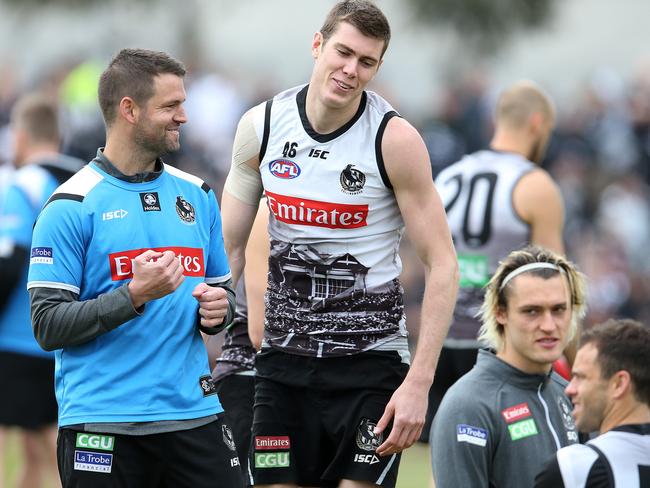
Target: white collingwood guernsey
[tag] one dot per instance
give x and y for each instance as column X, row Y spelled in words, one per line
column 329, row 197
column 86, row 246
column 477, row 194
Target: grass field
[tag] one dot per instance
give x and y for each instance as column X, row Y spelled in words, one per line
column 414, row 472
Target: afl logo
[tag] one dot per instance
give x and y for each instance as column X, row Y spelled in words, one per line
column 285, row 169
column 352, row 180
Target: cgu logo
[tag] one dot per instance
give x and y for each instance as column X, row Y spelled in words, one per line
column 191, row 260
column 272, row 460
column 285, row 169
column 93, row 441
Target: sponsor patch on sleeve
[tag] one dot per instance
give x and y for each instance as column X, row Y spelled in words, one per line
column 42, row 255
column 207, row 385
column 471, row 435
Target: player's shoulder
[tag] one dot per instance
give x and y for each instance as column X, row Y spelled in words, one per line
column 186, row 178
column 463, row 393
column 379, row 104
column 79, row 185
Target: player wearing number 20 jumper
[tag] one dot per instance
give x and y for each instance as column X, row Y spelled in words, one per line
column 496, row 200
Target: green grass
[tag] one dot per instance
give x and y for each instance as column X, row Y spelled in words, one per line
column 415, row 467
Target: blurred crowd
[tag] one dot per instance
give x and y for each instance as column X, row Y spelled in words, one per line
column 599, row 155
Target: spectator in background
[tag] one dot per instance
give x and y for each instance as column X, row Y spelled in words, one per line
column 499, row 422
column 610, row 390
column 497, row 200
column 26, row 371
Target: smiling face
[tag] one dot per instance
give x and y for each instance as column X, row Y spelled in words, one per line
column 588, row 390
column 344, row 66
column 157, row 130
column 536, row 322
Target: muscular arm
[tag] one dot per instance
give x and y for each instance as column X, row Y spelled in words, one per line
column 408, row 168
column 59, row 319
column 537, row 200
column 241, row 194
column 257, row 256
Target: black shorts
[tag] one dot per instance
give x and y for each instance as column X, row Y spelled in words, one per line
column 313, row 418
column 27, row 386
column 236, row 394
column 197, row 458
column 453, row 364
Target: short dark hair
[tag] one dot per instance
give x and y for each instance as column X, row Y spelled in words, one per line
column 38, row 115
column 623, row 344
column 131, row 74
column 362, row 14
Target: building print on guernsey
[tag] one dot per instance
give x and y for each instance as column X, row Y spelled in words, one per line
column 322, row 306
column 185, row 210
column 352, row 180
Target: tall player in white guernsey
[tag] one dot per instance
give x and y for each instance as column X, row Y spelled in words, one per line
column 497, row 200
column 344, row 174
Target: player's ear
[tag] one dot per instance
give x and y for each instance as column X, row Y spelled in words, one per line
column 620, row 382
column 316, row 45
column 128, row 110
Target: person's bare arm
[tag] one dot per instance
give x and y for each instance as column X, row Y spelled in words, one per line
column 241, row 194
column 409, row 171
column 256, row 272
column 538, row 201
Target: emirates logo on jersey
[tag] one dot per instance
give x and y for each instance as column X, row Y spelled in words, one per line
column 191, row 259
column 301, row 211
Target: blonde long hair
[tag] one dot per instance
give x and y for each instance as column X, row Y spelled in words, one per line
column 491, row 332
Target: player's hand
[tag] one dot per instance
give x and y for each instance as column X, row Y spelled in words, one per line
column 407, row 409
column 155, row 275
column 213, row 304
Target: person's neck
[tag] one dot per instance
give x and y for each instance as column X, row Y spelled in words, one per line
column 527, row 367
column 128, row 158
column 504, row 141
column 324, row 119
column 626, row 413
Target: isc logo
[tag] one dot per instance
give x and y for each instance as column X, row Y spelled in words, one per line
column 285, row 169
column 115, row 214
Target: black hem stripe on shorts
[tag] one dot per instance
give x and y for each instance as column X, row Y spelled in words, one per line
column 267, row 128
column 378, row 154
column 301, row 100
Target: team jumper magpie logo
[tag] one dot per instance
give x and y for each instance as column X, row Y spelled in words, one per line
column 185, row 210
column 352, row 180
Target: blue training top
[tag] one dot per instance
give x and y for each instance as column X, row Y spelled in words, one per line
column 22, row 200
column 150, row 368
